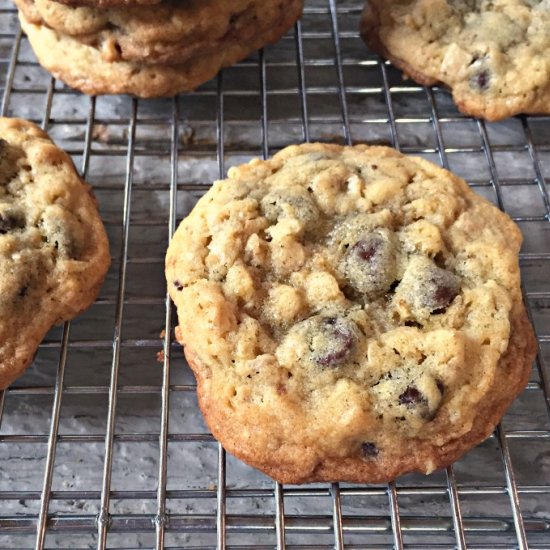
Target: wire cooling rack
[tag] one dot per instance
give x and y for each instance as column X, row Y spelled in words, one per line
column 101, row 442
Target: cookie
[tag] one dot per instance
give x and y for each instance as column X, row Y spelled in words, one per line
column 53, row 245
column 93, row 71
column 107, row 3
column 349, row 313
column 494, row 56
column 171, row 32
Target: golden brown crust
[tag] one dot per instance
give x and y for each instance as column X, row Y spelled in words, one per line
column 55, row 255
column 83, row 67
column 430, row 60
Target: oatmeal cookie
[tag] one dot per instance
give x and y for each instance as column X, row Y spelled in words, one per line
column 349, row 313
column 107, row 3
column 172, row 32
column 145, row 56
column 494, row 56
column 53, row 245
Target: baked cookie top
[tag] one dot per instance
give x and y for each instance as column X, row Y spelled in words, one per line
column 348, row 313
column 54, row 252
column 495, row 56
column 170, row 32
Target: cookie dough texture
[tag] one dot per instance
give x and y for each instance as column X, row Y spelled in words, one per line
column 53, row 246
column 494, row 56
column 350, row 313
column 151, row 51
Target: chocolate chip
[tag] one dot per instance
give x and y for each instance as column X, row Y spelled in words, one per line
column 481, row 80
column 369, row 449
column 332, row 341
column 445, row 294
column 299, row 205
column 439, row 289
column 178, row 285
column 411, row 397
column 365, row 250
column 369, row 263
column 9, row 222
column 440, row 386
column 23, row 291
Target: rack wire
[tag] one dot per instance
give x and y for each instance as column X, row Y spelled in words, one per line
column 101, row 443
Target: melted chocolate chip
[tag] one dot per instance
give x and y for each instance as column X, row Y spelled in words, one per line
column 178, row 285
column 369, row 264
column 365, row 250
column 411, row 397
column 481, row 80
column 333, row 341
column 444, row 295
column 9, row 222
column 439, row 289
column 299, row 205
column 369, row 449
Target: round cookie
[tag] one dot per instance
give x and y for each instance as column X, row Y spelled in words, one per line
column 494, row 56
column 53, row 246
column 90, row 69
column 171, row 32
column 107, row 3
column 349, row 313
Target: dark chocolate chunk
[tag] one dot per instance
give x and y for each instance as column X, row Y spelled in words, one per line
column 411, row 397
column 9, row 222
column 369, row 449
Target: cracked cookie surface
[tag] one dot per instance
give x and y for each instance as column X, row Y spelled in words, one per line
column 350, row 313
column 53, row 246
column 494, row 56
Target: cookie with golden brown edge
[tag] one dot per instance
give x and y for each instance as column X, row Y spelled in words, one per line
column 152, row 52
column 494, row 56
column 349, row 313
column 107, row 3
column 53, row 246
column 168, row 33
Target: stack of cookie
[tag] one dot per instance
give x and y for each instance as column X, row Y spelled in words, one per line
column 149, row 48
column 494, row 56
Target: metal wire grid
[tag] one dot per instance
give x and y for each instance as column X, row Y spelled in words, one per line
column 341, row 93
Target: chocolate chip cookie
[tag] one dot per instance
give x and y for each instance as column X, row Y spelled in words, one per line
column 349, row 313
column 53, row 246
column 494, row 56
column 107, row 3
column 151, row 51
